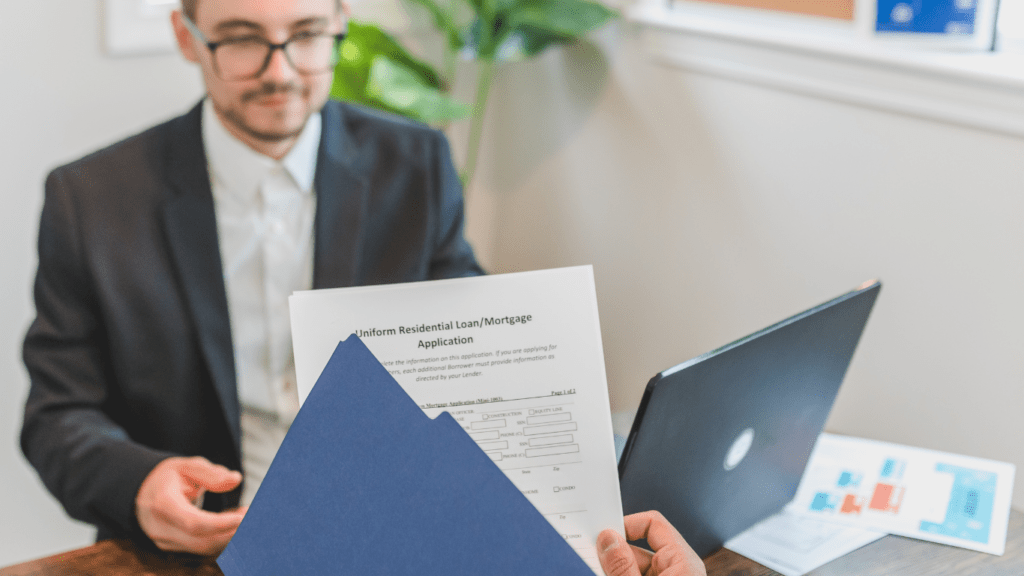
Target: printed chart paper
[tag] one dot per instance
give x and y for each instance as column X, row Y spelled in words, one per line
column 793, row 545
column 925, row 494
column 516, row 359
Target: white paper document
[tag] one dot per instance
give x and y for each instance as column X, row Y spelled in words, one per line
column 793, row 545
column 936, row 496
column 516, row 359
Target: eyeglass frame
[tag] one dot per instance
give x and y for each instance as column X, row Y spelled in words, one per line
column 271, row 48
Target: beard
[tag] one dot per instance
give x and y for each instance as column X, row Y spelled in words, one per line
column 267, row 90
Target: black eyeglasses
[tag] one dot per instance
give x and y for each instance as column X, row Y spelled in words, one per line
column 248, row 57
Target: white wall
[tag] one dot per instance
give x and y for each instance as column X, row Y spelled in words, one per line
column 709, row 207
column 61, row 98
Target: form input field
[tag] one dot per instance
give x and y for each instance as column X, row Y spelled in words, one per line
column 548, row 418
column 549, row 428
column 551, row 440
column 487, row 424
column 552, row 450
column 485, row 435
column 486, row 446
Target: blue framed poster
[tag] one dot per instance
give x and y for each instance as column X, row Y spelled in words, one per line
column 927, row 16
column 967, row 23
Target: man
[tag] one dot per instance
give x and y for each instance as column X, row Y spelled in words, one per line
column 165, row 262
column 160, row 358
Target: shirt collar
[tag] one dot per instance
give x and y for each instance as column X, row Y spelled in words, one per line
column 300, row 161
column 238, row 167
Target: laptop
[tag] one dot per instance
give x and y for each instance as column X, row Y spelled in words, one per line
column 720, row 442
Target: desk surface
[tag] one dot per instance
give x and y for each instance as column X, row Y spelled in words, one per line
column 890, row 555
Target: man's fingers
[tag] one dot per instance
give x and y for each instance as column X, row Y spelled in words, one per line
column 206, row 474
column 643, row 558
column 180, row 514
column 672, row 555
column 190, row 529
column 654, row 527
column 167, row 514
column 206, row 546
column 616, row 555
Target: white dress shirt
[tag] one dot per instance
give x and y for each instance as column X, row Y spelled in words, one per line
column 265, row 210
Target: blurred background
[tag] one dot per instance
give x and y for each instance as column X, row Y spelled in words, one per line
column 721, row 167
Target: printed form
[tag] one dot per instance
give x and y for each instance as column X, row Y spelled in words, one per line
column 925, row 494
column 516, row 359
column 793, row 545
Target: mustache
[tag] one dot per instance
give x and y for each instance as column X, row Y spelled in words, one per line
column 272, row 89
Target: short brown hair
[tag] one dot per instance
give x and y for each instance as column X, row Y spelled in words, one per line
column 188, row 7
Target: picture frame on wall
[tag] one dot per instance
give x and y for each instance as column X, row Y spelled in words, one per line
column 946, row 24
column 138, row 27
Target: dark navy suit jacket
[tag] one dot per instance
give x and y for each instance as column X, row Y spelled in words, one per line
column 130, row 354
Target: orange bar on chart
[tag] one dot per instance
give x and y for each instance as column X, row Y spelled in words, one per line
column 886, row 498
column 851, row 505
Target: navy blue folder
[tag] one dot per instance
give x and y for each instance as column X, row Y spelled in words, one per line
column 366, row 483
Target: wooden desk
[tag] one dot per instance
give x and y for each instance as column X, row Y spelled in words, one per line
column 890, row 555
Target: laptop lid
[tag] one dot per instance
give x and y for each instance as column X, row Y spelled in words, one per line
column 720, row 442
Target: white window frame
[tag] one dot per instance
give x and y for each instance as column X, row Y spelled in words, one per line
column 836, row 60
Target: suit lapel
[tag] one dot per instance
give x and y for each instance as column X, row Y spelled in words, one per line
column 341, row 206
column 191, row 226
column 190, row 222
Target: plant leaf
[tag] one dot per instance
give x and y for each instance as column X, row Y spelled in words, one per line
column 502, row 7
column 363, row 44
column 500, row 32
column 530, row 41
column 568, row 19
column 395, row 87
column 524, row 28
column 445, row 22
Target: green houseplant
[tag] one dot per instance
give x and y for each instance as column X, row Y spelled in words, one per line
column 376, row 70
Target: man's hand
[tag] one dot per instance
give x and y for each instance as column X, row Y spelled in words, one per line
column 167, row 506
column 672, row 555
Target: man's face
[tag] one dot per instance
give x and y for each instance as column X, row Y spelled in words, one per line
column 273, row 107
